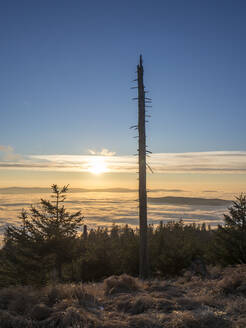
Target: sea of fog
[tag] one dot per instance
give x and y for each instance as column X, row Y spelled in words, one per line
column 120, row 206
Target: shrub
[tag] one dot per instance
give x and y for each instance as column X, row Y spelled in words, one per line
column 174, row 245
column 18, row 300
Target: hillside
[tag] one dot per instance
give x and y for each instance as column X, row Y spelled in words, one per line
column 218, row 301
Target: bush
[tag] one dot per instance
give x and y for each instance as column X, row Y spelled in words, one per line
column 174, row 245
column 18, row 300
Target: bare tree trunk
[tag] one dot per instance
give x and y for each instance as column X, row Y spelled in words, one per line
column 85, row 233
column 143, row 265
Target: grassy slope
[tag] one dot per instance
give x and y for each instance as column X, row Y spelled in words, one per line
column 219, row 301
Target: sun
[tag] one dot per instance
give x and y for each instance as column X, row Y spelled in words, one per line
column 97, row 165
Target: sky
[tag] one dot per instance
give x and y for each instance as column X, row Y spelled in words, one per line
column 67, row 68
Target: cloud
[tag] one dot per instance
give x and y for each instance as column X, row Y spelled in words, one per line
column 195, row 162
column 100, row 209
column 103, row 152
column 7, row 154
column 200, row 162
column 106, row 152
column 92, row 152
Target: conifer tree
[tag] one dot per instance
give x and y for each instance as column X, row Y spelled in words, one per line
column 236, row 219
column 46, row 238
column 230, row 244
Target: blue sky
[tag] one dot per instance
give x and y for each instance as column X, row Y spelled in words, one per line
column 66, row 70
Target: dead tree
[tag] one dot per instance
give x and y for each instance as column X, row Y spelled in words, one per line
column 143, row 249
column 85, row 233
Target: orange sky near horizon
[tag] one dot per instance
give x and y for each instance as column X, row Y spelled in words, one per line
column 194, row 183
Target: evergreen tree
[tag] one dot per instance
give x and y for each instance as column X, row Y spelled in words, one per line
column 236, row 219
column 45, row 241
column 230, row 242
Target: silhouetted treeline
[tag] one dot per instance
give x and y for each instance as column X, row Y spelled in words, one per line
column 49, row 247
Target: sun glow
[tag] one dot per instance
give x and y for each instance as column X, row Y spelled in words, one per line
column 97, row 165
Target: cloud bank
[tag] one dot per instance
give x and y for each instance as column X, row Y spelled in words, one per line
column 105, row 208
column 193, row 162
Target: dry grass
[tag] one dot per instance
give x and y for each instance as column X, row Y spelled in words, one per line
column 200, row 319
column 233, row 281
column 219, row 301
column 135, row 305
column 121, row 284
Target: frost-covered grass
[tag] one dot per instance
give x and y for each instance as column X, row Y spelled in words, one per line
column 218, row 301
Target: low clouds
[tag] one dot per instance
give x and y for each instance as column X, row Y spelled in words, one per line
column 193, row 162
column 103, row 208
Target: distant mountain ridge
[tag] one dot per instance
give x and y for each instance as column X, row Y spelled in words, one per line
column 166, row 200
column 37, row 190
column 172, row 200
